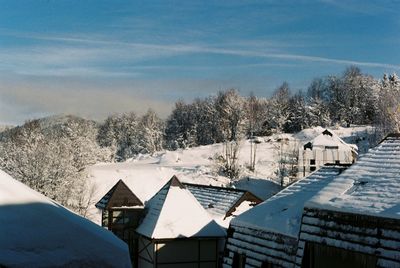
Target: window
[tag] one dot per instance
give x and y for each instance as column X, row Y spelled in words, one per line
column 312, row 161
column 104, row 218
column 312, row 169
column 331, row 147
column 239, row 260
column 337, row 162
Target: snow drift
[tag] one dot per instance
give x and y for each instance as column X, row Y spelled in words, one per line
column 37, row 232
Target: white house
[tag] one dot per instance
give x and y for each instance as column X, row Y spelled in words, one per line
column 326, row 148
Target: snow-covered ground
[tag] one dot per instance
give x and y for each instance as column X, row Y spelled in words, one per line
column 37, row 232
column 146, row 174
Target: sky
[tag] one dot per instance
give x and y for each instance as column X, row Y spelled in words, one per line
column 93, row 58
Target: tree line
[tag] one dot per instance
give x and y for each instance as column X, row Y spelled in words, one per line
column 50, row 155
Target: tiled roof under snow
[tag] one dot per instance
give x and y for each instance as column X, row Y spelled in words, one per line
column 282, row 212
column 219, row 199
column 175, row 213
column 370, row 186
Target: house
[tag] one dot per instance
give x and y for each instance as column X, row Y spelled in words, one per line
column 223, row 203
column 355, row 220
column 177, row 231
column 38, row 232
column 121, row 212
column 326, row 148
column 267, row 235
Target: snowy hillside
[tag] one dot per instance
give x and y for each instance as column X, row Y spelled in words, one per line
column 146, row 174
column 36, row 230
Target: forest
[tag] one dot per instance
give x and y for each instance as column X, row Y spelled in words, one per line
column 51, row 154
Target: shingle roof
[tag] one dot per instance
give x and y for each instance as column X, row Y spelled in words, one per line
column 370, row 186
column 219, row 199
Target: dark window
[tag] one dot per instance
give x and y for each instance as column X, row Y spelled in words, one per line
column 331, row 147
column 312, row 161
column 239, row 260
column 312, row 169
column 337, row 162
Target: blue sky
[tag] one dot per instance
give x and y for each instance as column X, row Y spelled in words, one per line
column 93, row 58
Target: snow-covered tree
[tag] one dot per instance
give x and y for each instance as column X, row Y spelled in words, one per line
column 151, row 131
column 388, row 115
column 279, row 108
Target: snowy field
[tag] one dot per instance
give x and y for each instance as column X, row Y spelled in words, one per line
column 146, row 174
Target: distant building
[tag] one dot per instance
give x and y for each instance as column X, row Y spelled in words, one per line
column 355, row 220
column 326, row 148
column 177, row 231
column 267, row 235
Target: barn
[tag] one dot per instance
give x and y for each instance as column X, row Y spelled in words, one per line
column 355, row 220
column 267, row 235
column 177, row 231
column 326, row 148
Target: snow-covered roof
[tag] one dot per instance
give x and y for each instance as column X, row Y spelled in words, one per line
column 370, row 186
column 329, row 138
column 282, row 212
column 219, row 200
column 175, row 213
column 143, row 180
column 35, row 231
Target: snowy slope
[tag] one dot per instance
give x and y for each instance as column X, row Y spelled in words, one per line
column 37, row 232
column 146, row 174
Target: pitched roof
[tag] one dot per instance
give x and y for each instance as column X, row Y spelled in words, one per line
column 175, row 213
column 370, row 186
column 282, row 212
column 329, row 138
column 119, row 196
column 219, row 200
column 36, row 231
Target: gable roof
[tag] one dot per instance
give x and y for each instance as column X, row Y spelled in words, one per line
column 119, row 196
column 36, row 231
column 282, row 212
column 329, row 138
column 370, row 186
column 174, row 212
column 220, row 200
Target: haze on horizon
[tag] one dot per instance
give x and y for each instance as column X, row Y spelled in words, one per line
column 94, row 58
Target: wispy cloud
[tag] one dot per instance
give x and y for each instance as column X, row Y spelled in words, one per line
column 76, row 55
